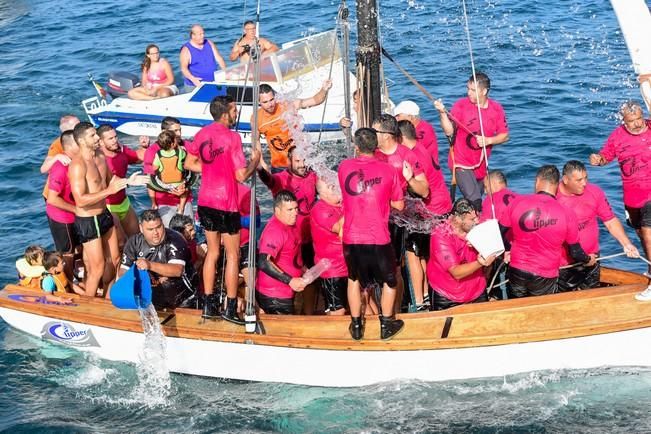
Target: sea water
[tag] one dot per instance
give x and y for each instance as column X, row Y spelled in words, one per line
column 559, row 68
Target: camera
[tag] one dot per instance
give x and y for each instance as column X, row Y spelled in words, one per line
column 247, row 48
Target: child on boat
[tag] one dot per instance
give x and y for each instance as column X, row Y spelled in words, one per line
column 168, row 164
column 54, row 264
column 50, row 283
column 30, row 267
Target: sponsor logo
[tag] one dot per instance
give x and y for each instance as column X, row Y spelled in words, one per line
column 35, row 299
column 355, row 183
column 531, row 221
column 65, row 333
column 507, row 198
column 208, row 152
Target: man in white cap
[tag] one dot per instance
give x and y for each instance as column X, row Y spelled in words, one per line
column 425, row 134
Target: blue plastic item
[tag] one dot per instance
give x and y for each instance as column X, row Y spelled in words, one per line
column 132, row 290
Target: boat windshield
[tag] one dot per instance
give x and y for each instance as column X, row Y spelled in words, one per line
column 294, row 59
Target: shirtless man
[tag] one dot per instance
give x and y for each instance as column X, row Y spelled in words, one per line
column 91, row 182
column 273, row 126
column 199, row 59
column 242, row 46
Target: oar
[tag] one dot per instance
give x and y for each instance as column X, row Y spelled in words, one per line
column 600, row 258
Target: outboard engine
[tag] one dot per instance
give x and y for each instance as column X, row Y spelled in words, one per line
column 120, row 83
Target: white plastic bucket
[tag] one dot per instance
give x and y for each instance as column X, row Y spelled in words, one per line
column 486, row 238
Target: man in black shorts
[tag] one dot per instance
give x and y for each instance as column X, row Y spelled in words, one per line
column 369, row 188
column 163, row 252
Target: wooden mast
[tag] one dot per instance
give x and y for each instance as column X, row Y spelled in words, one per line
column 368, row 61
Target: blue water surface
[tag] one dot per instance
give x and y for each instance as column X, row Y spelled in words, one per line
column 560, row 68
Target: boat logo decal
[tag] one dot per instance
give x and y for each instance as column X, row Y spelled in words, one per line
column 65, row 333
column 36, row 299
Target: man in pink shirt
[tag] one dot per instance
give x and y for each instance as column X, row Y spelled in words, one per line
column 542, row 228
column 60, row 208
column 630, row 144
column 495, row 182
column 166, row 202
column 279, row 260
column 425, row 134
column 118, row 158
column 370, row 188
column 326, row 220
column 301, row 181
column 466, row 158
column 455, row 270
column 216, row 153
column 437, row 202
column 588, row 202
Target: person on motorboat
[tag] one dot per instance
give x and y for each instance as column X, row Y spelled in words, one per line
column 118, row 158
column 542, row 229
column 92, row 182
column 369, row 188
column 588, row 202
column 164, row 253
column 280, row 265
column 242, row 47
column 217, row 154
column 425, row 134
column 166, row 202
column 272, row 124
column 157, row 80
column 55, row 151
column 437, row 202
column 326, row 222
column 455, row 270
column 466, row 157
column 630, row 145
column 300, row 180
column 199, row 59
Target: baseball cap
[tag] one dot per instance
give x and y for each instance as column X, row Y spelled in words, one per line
column 407, row 108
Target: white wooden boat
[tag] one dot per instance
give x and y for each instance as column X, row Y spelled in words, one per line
column 577, row 330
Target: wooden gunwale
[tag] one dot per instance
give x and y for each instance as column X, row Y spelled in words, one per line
column 559, row 316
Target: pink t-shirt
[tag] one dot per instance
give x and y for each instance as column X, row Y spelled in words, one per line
column 327, row 244
column 118, row 165
column 541, row 226
column 633, row 152
column 438, row 201
column 396, row 160
column 304, row 188
column 467, row 154
column 283, row 244
column 448, row 250
column 587, row 207
column 426, row 136
column 58, row 181
column 244, row 199
column 502, row 200
column 368, row 186
column 221, row 155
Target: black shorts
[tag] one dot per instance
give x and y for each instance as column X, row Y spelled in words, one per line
column 335, row 292
column 579, row 277
column 397, row 241
column 524, row 284
column 244, row 256
column 639, row 217
column 371, row 263
column 216, row 220
column 307, row 253
column 92, row 228
column 440, row 302
column 418, row 244
column 64, row 236
column 275, row 306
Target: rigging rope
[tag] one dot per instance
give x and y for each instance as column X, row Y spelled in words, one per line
column 332, row 61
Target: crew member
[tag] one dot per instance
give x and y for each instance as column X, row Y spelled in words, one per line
column 162, row 252
column 425, row 134
column 279, row 261
column 588, row 202
column 242, row 46
column 541, row 226
column 272, row 123
column 466, row 157
column 630, row 145
column 91, row 183
column 199, row 59
column 455, row 270
column 370, row 188
column 217, row 154
column 326, row 220
column 55, row 151
column 500, row 197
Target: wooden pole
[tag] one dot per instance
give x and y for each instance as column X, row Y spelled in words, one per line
column 368, row 61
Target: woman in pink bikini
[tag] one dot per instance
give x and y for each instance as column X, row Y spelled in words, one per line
column 157, row 77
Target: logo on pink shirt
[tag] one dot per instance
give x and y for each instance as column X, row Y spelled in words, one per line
column 355, row 183
column 530, row 221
